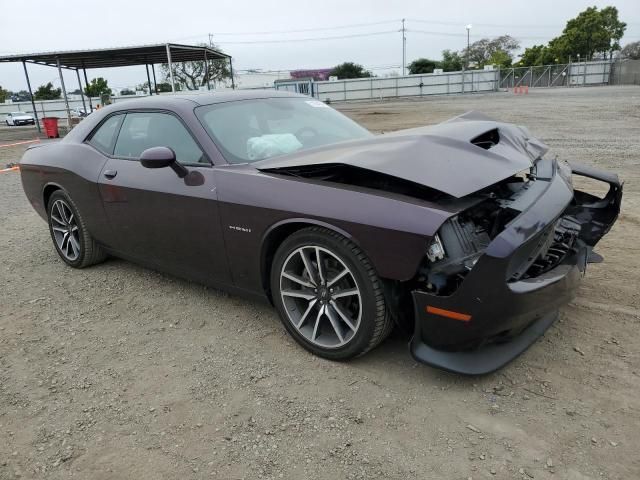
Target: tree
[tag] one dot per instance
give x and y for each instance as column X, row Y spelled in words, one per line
column 500, row 58
column 451, row 61
column 349, row 70
column 193, row 75
column 479, row 53
column 98, row 87
column 162, row 87
column 591, row 32
column 47, row 92
column 4, row 94
column 537, row 55
column 631, row 50
column 614, row 28
column 127, row 91
column 423, row 65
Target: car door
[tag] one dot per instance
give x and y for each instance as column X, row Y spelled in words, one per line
column 157, row 217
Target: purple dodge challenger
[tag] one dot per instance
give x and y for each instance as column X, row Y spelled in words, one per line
column 462, row 233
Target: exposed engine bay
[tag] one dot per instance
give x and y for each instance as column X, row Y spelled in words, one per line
column 360, row 177
column 463, row 238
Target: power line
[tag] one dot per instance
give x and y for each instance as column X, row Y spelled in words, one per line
column 302, row 30
column 519, row 37
column 370, row 34
column 496, row 25
column 317, row 29
column 310, row 39
column 447, row 34
column 384, row 22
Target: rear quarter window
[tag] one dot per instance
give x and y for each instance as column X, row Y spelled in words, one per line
column 104, row 137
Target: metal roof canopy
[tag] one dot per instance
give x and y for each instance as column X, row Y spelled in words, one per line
column 117, row 57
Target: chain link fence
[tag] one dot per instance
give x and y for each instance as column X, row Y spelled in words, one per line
column 562, row 75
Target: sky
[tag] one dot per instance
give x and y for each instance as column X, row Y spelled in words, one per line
column 279, row 35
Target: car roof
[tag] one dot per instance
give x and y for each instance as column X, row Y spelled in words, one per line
column 176, row 102
column 209, row 98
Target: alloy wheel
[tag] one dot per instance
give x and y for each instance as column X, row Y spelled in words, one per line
column 65, row 230
column 321, row 297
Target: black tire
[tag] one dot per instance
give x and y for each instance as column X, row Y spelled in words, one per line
column 374, row 322
column 90, row 252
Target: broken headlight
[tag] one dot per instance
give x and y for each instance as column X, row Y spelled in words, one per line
column 435, row 251
column 453, row 251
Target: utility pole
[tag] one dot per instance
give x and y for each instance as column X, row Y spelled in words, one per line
column 468, row 27
column 466, row 62
column 404, row 49
column 207, row 74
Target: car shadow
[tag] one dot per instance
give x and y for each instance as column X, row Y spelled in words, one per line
column 391, row 357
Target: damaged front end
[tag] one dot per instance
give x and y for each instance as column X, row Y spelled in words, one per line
column 495, row 274
column 507, row 248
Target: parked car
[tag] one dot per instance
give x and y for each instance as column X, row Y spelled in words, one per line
column 80, row 112
column 19, row 118
column 463, row 232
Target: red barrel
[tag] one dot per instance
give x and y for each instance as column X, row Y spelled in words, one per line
column 51, row 127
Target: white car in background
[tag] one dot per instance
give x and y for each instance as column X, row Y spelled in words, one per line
column 19, row 118
column 79, row 112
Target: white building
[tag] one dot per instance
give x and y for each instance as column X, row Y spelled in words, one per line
column 255, row 79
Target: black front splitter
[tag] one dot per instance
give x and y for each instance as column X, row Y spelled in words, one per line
column 483, row 360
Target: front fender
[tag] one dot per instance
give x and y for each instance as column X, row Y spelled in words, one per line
column 392, row 230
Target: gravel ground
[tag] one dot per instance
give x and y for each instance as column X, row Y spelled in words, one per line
column 121, row 372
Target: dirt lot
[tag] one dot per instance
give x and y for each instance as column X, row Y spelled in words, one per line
column 121, row 372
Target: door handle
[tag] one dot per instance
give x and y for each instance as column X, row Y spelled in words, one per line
column 110, row 174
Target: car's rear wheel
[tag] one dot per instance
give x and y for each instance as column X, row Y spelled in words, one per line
column 69, row 233
column 328, row 294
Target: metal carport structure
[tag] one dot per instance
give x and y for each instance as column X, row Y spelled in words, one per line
column 77, row 60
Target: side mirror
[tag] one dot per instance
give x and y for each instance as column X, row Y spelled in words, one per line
column 160, row 157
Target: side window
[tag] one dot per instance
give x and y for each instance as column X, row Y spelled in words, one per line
column 105, row 137
column 153, row 129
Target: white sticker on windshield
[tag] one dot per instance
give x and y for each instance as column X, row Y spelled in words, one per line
column 317, row 104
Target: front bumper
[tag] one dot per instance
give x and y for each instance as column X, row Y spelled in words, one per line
column 506, row 315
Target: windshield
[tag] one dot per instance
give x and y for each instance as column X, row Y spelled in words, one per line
column 250, row 130
column 17, row 113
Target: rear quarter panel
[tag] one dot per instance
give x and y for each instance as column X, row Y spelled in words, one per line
column 72, row 167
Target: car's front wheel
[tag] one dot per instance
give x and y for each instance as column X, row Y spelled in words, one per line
column 328, row 294
column 69, row 233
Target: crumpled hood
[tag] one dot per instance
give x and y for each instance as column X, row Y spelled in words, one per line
column 440, row 157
